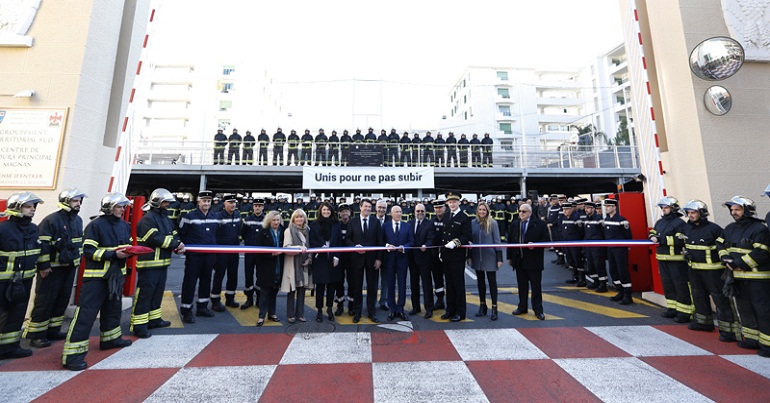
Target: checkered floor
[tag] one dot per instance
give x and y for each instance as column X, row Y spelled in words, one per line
column 614, row 363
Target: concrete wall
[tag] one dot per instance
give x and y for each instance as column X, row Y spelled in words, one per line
column 72, row 63
column 708, row 157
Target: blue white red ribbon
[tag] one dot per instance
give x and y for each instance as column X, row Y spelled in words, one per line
column 354, row 249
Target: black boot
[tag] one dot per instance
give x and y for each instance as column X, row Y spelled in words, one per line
column 230, row 301
column 682, row 318
column 188, row 316
column 340, row 308
column 592, row 284
column 439, row 301
column 204, row 311
column 482, row 310
column 627, row 297
column 216, row 306
column 669, row 313
column 581, row 279
column 249, row 300
column 602, row 287
column 617, row 297
column 493, row 316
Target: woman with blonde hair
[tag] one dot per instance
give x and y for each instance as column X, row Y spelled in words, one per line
column 486, row 260
column 270, row 267
column 296, row 267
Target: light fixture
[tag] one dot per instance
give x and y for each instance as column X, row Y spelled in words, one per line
column 20, row 94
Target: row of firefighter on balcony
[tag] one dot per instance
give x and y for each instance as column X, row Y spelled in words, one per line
column 334, row 150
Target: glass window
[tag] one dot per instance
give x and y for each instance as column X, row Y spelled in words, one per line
column 502, row 75
column 227, row 70
column 465, row 99
column 503, row 92
column 505, row 110
column 506, row 128
column 227, row 87
column 225, row 105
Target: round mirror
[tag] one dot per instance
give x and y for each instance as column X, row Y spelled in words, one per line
column 716, row 58
column 718, row 100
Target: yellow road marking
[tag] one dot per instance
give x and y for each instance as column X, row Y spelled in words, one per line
column 584, row 306
column 502, row 307
column 607, row 294
column 169, row 310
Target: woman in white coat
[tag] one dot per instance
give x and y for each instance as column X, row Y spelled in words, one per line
column 296, row 268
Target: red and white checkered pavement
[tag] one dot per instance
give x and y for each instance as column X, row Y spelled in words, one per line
column 613, row 363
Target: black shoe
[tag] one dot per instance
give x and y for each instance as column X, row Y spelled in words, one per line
column 482, row 310
column 57, row 336
column 274, row 318
column 415, row 311
column 571, row 281
column 402, row 316
column 117, row 343
column 682, row 318
column 669, row 313
column 40, row 343
column 763, row 352
column 749, row 344
column 340, row 310
column 158, row 324
column 456, row 318
column 260, row 322
column 232, row 304
column 329, row 314
column 188, row 317
column 592, row 286
column 319, row 317
column 493, row 316
column 76, row 365
column 439, row 305
column 519, row 311
column 391, row 316
column 384, row 307
column 602, row 287
column 617, row 297
column 540, row 315
column 428, row 314
column 249, row 303
column 581, row 283
column 373, row 318
column 18, row 353
column 727, row 337
column 627, row 300
column 207, row 313
column 356, row 318
column 143, row 334
column 446, row 316
column 700, row 327
column 216, row 306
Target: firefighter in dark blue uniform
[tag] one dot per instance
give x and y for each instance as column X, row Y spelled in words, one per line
column 451, row 150
column 552, row 221
column 427, row 151
column 279, row 139
column 306, row 149
column 405, row 143
column 701, row 237
column 248, row 149
column 334, row 149
column 220, row 142
column 393, row 140
column 234, row 148
column 198, row 228
column 437, row 268
column 321, row 149
column 475, row 145
column 103, row 278
column 345, row 141
column 745, row 251
column 252, row 224
column 571, row 229
column 22, row 255
column 382, row 141
column 370, row 137
column 263, row 142
column 456, row 232
column 155, row 230
column 596, row 256
column 440, row 151
column 62, row 232
column 671, row 265
column 462, row 149
column 228, row 233
column 616, row 227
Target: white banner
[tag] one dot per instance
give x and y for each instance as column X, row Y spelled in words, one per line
column 30, row 146
column 355, row 178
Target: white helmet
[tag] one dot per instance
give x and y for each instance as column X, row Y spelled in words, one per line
column 110, row 200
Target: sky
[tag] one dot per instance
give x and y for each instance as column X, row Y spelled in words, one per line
column 386, row 62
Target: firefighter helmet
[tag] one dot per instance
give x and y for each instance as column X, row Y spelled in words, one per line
column 749, row 208
column 68, row 194
column 21, row 198
column 697, row 205
column 670, row 202
column 158, row 196
column 110, row 200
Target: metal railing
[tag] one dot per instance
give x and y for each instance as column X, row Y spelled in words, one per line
column 160, row 152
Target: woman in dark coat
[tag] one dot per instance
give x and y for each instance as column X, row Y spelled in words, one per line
column 324, row 233
column 270, row 267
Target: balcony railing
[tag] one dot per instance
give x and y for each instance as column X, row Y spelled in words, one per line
column 567, row 155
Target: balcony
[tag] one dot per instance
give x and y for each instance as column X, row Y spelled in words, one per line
column 503, row 100
column 559, row 101
column 556, row 118
column 620, row 67
column 505, row 117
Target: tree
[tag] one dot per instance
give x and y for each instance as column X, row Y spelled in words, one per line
column 591, row 136
column 622, row 137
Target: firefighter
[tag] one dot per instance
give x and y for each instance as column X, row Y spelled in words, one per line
column 393, row 141
column 292, row 157
column 437, row 267
column 155, row 230
column 279, row 139
column 552, row 219
column 228, row 233
column 62, row 232
column 345, row 141
column 416, row 149
column 248, row 149
column 103, row 278
column 252, row 224
column 263, row 141
column 321, row 159
column 595, row 256
column 334, row 149
column 370, row 137
column 220, row 142
column 486, row 151
column 616, row 227
column 571, row 229
column 499, row 213
column 700, row 243
column 671, row 264
column 234, row 149
column 198, row 228
column 306, row 149
column 745, row 252
column 185, row 207
column 382, row 141
column 475, row 145
column 22, row 256
column 405, row 145
column 451, row 150
column 174, row 209
column 462, row 149
column 428, row 151
column 440, row 150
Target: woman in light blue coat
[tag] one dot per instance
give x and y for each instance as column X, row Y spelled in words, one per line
column 486, row 261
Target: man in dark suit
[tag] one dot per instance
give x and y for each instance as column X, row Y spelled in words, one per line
column 456, row 232
column 420, row 262
column 528, row 262
column 397, row 235
column 364, row 230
